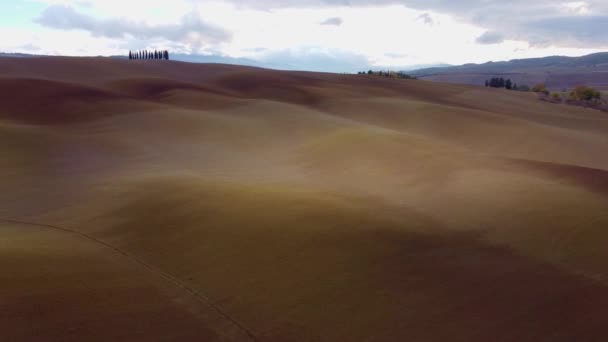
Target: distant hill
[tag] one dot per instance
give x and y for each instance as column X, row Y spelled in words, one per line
column 556, row 72
column 280, row 61
column 15, row 55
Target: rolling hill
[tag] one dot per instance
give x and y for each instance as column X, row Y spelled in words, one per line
column 557, row 72
column 154, row 201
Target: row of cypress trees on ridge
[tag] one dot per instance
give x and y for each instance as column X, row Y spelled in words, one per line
column 145, row 54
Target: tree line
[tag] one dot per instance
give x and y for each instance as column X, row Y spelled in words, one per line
column 388, row 73
column 145, row 54
column 499, row 82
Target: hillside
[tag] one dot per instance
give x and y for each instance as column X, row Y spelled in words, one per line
column 557, row 72
column 155, row 201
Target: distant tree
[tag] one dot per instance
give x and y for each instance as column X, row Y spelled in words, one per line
column 487, row 83
column 540, row 88
column 508, row 84
column 557, row 97
column 166, row 55
column 523, row 88
column 583, row 93
column 496, row 82
column 515, row 86
column 156, row 55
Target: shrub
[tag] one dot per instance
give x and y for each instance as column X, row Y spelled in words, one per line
column 557, row 97
column 540, row 88
column 583, row 93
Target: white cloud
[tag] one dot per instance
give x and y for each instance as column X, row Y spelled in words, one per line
column 426, row 18
column 333, row 21
column 490, row 37
column 576, row 7
column 191, row 29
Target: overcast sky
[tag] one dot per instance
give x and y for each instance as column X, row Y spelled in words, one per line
column 367, row 32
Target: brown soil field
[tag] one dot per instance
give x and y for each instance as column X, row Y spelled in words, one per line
column 166, row 201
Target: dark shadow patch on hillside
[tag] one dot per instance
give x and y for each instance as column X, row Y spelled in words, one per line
column 37, row 101
column 593, row 179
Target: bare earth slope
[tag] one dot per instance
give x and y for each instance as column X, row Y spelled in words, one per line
column 147, row 200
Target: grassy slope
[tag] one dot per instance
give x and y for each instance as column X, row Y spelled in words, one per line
column 306, row 206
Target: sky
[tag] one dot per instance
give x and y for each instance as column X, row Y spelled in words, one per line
column 309, row 33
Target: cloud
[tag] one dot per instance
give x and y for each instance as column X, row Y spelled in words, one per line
column 395, row 55
column 490, row 37
column 315, row 59
column 334, row 21
column 29, row 48
column 573, row 31
column 560, row 23
column 426, row 18
column 192, row 30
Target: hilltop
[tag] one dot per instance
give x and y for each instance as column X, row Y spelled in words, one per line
column 557, row 72
column 159, row 200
